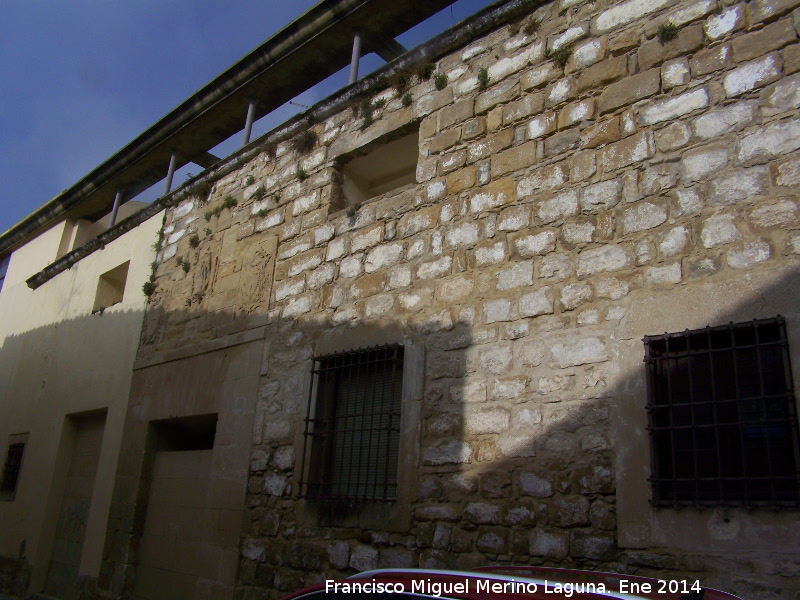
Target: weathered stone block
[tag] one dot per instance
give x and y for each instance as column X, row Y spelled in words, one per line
column 529, row 104
column 774, row 139
column 633, row 149
column 778, row 213
column 719, row 229
column 551, row 545
column 674, row 241
column 593, row 546
column 702, row 162
column 655, row 52
column 560, row 91
column 555, row 266
column 624, row 13
column 495, row 420
column 575, row 113
column 773, row 36
column 497, row 310
column 710, row 60
column 748, row 254
column 724, row 120
column 446, row 452
column 575, row 234
column 539, row 76
column 739, row 185
column 575, row 294
column 541, row 126
column 605, row 258
column 495, row 194
column 490, row 253
column 518, row 275
column 505, row 91
column 514, row 159
column 761, row 10
column 558, row 207
column 642, row 216
column 558, row 144
column 602, row 73
column 604, row 132
column 667, row 110
column 753, row 75
column 675, row 73
column 587, row 53
column 536, row 303
column 600, row 196
column 668, row 274
column 545, row 178
column 730, row 19
column 579, row 352
column 532, row 485
column 629, row 90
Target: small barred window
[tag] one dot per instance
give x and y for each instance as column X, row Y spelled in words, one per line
column 352, row 432
column 722, row 416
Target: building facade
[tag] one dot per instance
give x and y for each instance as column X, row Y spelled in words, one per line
column 527, row 295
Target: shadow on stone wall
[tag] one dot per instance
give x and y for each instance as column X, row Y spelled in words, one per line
column 507, row 475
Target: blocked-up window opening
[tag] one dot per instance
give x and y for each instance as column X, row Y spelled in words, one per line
column 196, row 432
column 352, row 434
column 722, row 416
column 111, row 287
column 12, row 466
column 385, row 168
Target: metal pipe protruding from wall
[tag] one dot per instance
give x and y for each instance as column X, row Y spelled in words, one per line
column 170, row 173
column 248, row 126
column 355, row 58
column 117, row 202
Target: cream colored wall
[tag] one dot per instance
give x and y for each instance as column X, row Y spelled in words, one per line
column 57, row 359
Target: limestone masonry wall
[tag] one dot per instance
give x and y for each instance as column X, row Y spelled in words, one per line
column 582, row 181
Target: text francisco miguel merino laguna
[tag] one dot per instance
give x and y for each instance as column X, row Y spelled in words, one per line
column 512, row 586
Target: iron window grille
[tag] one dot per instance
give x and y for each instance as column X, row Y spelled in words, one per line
column 352, row 426
column 11, row 468
column 722, row 416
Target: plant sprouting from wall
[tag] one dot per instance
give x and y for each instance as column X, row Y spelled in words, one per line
column 483, row 78
column 400, row 81
column 366, row 110
column 441, row 81
column 185, row 266
column 407, row 99
column 426, row 70
column 668, row 32
column 561, row 56
column 194, row 241
column 259, row 193
column 301, row 174
column 229, row 202
column 305, row 142
column 250, row 180
column 531, row 27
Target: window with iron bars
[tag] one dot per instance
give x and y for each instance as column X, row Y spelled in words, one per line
column 722, row 416
column 352, row 431
column 11, row 469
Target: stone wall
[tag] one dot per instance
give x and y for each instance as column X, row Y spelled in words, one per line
column 585, row 176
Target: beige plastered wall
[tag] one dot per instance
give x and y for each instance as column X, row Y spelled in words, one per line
column 59, row 359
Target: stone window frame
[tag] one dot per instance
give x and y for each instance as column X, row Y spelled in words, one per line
column 340, row 201
column 687, row 359
column 386, row 515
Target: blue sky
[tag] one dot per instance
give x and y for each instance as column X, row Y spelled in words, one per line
column 81, row 79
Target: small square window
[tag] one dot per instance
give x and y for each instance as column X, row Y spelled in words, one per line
column 383, row 168
column 111, row 287
column 12, row 466
column 352, row 435
column 722, row 416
